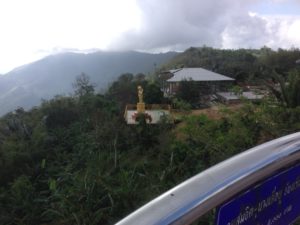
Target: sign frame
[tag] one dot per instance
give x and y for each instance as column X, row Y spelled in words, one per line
column 258, row 207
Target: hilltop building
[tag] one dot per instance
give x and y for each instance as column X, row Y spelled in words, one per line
column 208, row 82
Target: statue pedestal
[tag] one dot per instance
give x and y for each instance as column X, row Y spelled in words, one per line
column 140, row 107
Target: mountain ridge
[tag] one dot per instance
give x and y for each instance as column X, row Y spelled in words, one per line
column 53, row 75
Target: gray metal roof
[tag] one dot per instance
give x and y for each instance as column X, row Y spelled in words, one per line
column 174, row 70
column 196, row 74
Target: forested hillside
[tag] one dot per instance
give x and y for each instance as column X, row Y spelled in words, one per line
column 74, row 160
column 245, row 65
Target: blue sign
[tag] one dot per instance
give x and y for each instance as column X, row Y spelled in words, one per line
column 275, row 201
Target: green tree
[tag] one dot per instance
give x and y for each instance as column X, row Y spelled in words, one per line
column 288, row 93
column 124, row 90
column 153, row 94
column 188, row 91
column 83, row 86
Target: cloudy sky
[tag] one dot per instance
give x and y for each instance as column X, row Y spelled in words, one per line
column 32, row 29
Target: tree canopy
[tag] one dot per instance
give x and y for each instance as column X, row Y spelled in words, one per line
column 74, row 160
column 251, row 65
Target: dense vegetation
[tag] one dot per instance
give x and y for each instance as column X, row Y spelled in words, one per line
column 73, row 160
column 245, row 65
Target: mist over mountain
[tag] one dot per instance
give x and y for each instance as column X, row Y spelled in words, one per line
column 25, row 86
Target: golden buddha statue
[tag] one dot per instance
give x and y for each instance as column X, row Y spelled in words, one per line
column 140, row 105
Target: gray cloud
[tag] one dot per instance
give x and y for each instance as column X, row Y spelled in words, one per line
column 179, row 24
column 245, row 31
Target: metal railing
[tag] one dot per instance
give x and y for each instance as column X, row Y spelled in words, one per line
column 193, row 198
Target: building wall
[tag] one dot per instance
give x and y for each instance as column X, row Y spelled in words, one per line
column 205, row 87
column 156, row 115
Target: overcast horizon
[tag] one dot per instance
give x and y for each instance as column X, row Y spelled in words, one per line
column 33, row 29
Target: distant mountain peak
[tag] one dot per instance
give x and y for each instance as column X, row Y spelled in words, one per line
column 54, row 74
